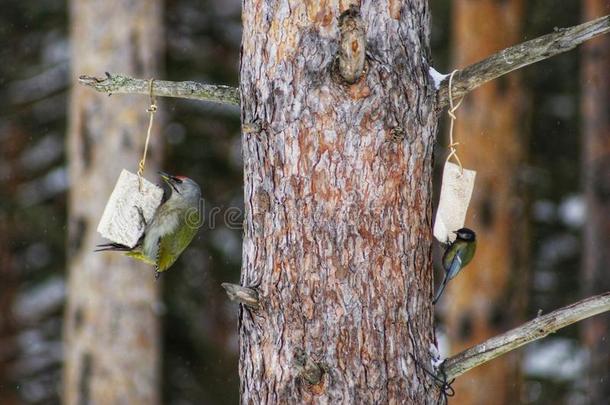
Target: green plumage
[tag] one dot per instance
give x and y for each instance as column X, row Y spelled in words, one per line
column 174, row 243
column 138, row 255
column 464, row 249
column 172, row 228
column 171, row 245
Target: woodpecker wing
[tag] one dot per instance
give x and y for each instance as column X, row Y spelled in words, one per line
column 138, row 255
column 173, row 244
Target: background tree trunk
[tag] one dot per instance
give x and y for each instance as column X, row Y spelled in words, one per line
column 489, row 296
column 8, row 288
column 338, row 206
column 596, row 169
column 10, row 147
column 111, row 331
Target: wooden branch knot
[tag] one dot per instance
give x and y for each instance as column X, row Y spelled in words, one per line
column 108, row 84
column 261, row 204
column 352, row 45
column 242, row 295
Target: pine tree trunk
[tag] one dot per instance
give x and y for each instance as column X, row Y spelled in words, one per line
column 111, row 327
column 596, row 170
column 488, row 297
column 338, row 206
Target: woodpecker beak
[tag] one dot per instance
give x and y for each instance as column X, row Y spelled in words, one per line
column 170, row 180
column 166, row 177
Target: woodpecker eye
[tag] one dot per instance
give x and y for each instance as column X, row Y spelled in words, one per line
column 177, row 180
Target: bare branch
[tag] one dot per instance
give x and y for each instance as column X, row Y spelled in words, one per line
column 193, row 90
column 526, row 333
column 242, row 295
column 521, row 55
column 464, row 81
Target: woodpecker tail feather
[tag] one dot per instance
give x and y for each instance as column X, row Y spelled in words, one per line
column 115, row 247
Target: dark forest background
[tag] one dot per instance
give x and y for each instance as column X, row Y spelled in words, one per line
column 203, row 141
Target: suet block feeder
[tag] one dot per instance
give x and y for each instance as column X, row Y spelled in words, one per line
column 122, row 220
column 456, row 191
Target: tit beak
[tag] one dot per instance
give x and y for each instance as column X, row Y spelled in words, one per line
column 455, row 232
column 170, row 180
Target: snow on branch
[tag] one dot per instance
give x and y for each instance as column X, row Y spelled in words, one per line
column 518, row 56
column 526, row 333
column 116, row 83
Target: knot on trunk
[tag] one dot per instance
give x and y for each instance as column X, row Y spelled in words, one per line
column 352, row 45
column 261, row 203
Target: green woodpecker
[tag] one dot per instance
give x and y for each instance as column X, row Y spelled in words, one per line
column 457, row 256
column 171, row 229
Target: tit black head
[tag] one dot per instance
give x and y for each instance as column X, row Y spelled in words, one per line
column 465, row 234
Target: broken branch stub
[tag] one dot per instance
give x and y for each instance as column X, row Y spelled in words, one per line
column 243, row 295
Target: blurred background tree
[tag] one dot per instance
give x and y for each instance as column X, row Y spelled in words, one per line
column 199, row 357
column 33, row 100
column 595, row 126
column 111, row 324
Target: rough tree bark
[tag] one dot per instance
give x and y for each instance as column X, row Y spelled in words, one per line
column 333, row 219
column 596, row 170
column 111, row 333
column 489, row 296
column 337, row 197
